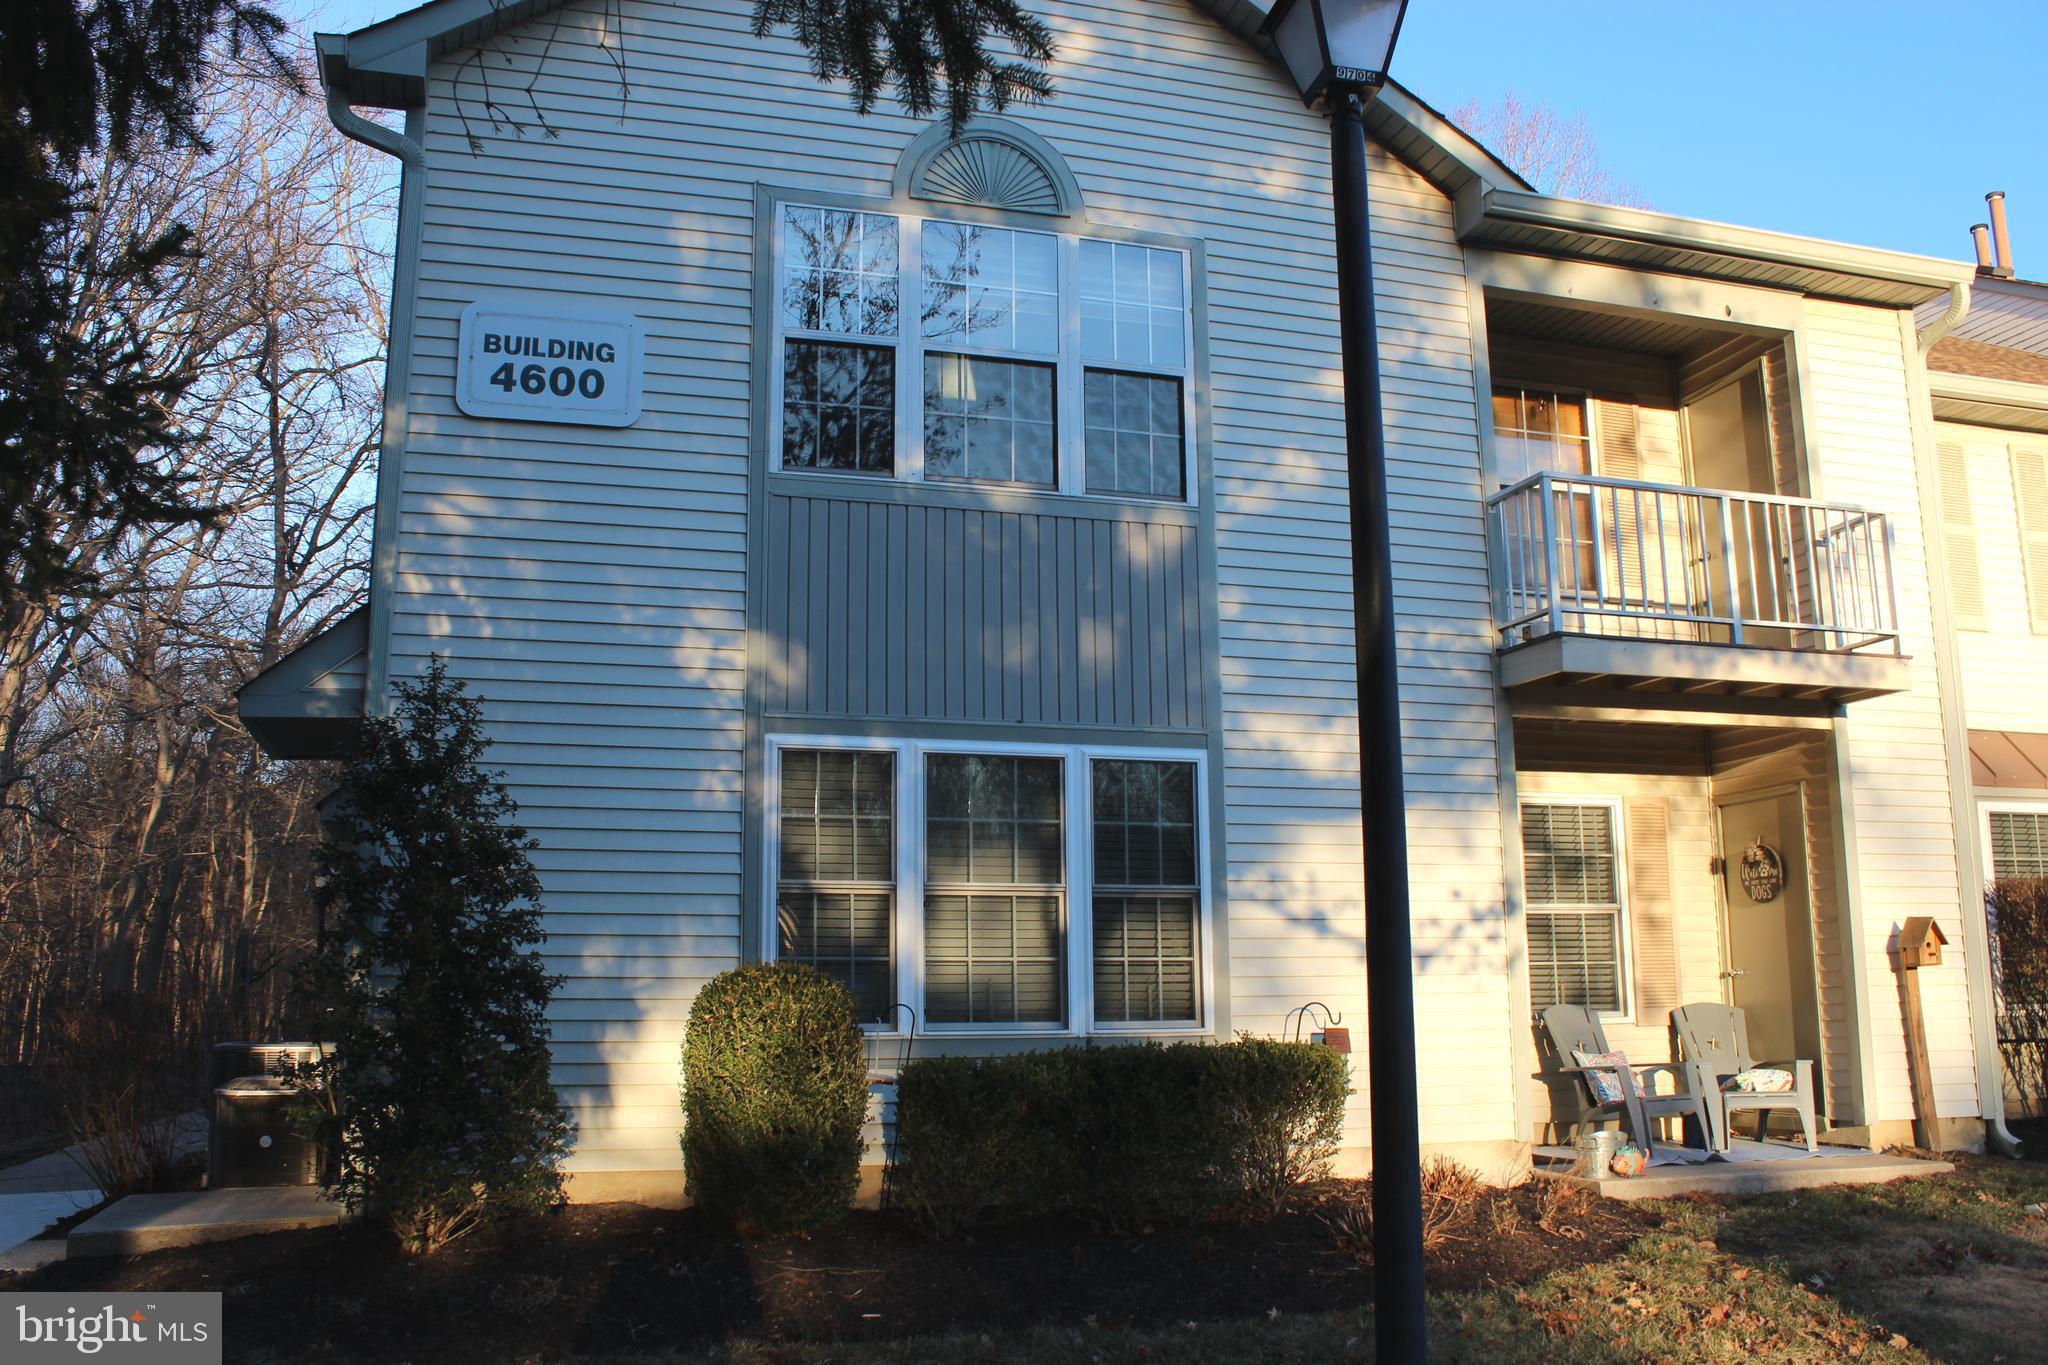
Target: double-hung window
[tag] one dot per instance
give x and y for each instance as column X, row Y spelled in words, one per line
column 1048, row 888
column 1572, row 879
column 1148, row 891
column 838, row 314
column 835, row 871
column 2017, row 842
column 995, row 890
column 955, row 353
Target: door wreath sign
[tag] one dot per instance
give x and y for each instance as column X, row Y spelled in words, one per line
column 1762, row 871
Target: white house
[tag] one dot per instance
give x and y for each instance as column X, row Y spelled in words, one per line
column 926, row 557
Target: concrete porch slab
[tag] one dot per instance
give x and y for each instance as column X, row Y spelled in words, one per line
column 152, row 1222
column 1752, row 1177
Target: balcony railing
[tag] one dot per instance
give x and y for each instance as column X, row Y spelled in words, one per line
column 1613, row 557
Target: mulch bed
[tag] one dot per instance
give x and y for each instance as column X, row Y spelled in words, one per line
column 622, row 1277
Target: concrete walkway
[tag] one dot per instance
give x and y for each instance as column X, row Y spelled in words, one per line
column 37, row 1193
column 152, row 1222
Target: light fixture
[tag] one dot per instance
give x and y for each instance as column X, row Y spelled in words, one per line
column 1335, row 42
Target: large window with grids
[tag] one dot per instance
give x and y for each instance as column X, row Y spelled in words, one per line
column 1147, row 893
column 1572, row 883
column 2018, row 842
column 930, row 350
column 835, row 877
column 993, row 889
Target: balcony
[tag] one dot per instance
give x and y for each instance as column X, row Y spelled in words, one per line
column 1621, row 584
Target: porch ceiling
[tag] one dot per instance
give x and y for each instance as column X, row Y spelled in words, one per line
column 1674, row 339
column 1645, row 669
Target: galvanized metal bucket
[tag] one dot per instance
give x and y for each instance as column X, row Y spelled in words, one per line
column 1596, row 1153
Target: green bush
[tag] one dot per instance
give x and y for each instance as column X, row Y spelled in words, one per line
column 429, row 981
column 1121, row 1136
column 774, row 1095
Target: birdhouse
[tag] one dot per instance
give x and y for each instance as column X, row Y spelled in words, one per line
column 1920, row 940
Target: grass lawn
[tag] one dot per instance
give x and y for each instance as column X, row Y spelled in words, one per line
column 1949, row 1268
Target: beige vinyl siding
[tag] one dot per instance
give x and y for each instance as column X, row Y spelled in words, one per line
column 1896, row 772
column 591, row 583
column 1748, row 761
column 1296, row 915
column 2004, row 662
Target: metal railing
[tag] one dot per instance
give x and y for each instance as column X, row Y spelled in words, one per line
column 1617, row 557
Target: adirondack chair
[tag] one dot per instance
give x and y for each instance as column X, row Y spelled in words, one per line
column 1576, row 1028
column 1714, row 1040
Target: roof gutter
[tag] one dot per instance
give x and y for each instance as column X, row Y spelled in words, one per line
column 1499, row 207
column 1958, row 305
column 333, row 72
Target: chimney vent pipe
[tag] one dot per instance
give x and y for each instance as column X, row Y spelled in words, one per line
column 2001, row 240
column 1980, row 233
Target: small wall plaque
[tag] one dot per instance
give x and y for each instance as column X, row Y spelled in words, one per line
column 1762, row 872
column 539, row 362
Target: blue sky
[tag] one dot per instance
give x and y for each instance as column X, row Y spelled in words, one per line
column 1881, row 122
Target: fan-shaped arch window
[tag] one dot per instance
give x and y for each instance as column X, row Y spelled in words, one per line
column 990, row 163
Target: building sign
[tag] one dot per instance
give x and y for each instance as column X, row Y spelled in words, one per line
column 532, row 362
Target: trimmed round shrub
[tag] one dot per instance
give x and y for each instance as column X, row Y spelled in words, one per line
column 774, row 1096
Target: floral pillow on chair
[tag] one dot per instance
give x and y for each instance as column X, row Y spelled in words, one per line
column 1604, row 1075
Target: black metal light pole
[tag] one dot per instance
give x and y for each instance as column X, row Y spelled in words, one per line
column 1337, row 51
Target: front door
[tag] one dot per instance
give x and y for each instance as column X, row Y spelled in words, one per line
column 1768, row 926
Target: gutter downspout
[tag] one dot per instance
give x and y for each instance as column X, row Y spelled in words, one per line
column 412, row 159
column 1958, row 304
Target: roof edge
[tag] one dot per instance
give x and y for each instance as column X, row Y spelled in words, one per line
column 1516, row 207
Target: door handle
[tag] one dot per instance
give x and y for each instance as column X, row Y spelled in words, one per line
column 1731, row 975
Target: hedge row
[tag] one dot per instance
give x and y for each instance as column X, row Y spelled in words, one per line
column 1122, row 1136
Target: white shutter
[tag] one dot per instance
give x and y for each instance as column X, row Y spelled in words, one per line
column 1650, row 908
column 2030, row 488
column 1959, row 536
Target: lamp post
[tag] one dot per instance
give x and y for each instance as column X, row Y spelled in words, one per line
column 1337, row 52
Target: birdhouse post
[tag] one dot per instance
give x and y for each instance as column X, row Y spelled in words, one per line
column 1920, row 944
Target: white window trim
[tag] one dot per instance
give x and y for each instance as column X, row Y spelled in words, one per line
column 1079, row 865
column 2003, row 806
column 1624, row 939
column 909, row 344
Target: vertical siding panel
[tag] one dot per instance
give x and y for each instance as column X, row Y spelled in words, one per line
column 1016, row 654
column 852, row 562
column 883, row 605
column 955, row 640
column 839, row 594
column 1076, row 695
column 818, row 638
column 901, row 613
column 1031, row 632
column 775, row 595
column 917, row 660
column 799, row 623
column 1165, row 678
column 1110, row 627
column 1136, row 637
column 1193, row 629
